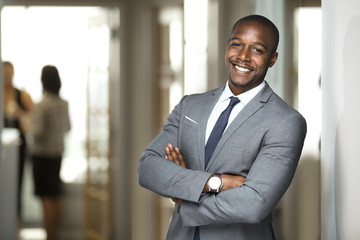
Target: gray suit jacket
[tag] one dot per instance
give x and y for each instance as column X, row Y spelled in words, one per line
column 263, row 143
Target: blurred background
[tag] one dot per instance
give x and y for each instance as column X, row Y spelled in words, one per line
column 124, row 64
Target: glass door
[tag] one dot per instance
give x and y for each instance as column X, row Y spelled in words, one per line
column 98, row 219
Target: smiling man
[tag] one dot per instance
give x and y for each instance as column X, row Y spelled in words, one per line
column 227, row 156
column 251, row 50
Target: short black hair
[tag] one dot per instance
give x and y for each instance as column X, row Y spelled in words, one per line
column 262, row 20
column 50, row 79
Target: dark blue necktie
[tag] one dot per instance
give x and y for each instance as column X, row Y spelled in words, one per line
column 218, row 129
column 214, row 138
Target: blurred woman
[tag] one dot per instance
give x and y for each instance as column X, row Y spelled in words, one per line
column 17, row 109
column 50, row 123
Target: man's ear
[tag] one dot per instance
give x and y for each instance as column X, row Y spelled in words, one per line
column 273, row 59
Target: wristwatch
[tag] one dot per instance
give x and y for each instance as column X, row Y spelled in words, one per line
column 215, row 183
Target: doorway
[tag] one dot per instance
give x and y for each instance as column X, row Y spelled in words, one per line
column 34, row 36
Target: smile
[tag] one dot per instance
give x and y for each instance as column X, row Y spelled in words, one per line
column 242, row 69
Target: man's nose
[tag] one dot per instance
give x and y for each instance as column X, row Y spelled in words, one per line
column 244, row 54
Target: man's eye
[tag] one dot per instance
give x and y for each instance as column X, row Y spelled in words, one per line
column 235, row 44
column 257, row 50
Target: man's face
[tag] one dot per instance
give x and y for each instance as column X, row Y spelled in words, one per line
column 249, row 54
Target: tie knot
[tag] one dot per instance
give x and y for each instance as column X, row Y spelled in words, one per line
column 233, row 101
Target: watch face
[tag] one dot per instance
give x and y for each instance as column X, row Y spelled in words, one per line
column 214, row 182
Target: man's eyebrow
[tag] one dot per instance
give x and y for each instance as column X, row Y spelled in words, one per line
column 258, row 43
column 261, row 44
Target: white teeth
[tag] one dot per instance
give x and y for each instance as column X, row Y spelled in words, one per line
column 242, row 69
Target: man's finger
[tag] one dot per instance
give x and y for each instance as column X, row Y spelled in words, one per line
column 181, row 157
column 168, row 154
column 173, row 153
column 175, row 156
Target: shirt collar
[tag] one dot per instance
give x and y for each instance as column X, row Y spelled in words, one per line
column 244, row 97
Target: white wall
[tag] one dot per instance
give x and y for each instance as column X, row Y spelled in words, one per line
column 340, row 120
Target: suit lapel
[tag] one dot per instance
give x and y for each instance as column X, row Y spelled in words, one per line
column 250, row 109
column 207, row 105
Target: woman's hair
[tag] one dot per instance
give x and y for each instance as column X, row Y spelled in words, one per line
column 50, row 79
column 7, row 63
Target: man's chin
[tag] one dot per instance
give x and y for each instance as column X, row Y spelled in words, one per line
column 241, row 84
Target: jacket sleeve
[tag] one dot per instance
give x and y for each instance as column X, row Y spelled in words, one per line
column 163, row 176
column 268, row 179
column 37, row 120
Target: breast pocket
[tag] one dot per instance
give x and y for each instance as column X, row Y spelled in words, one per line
column 188, row 130
column 188, row 136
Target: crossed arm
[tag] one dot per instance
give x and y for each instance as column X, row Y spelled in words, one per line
column 229, row 181
column 271, row 171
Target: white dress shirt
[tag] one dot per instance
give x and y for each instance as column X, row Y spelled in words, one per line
column 224, row 101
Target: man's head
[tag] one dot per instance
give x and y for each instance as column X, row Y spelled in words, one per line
column 250, row 51
column 8, row 69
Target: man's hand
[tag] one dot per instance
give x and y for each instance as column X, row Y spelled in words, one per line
column 229, row 181
column 178, row 201
column 173, row 154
